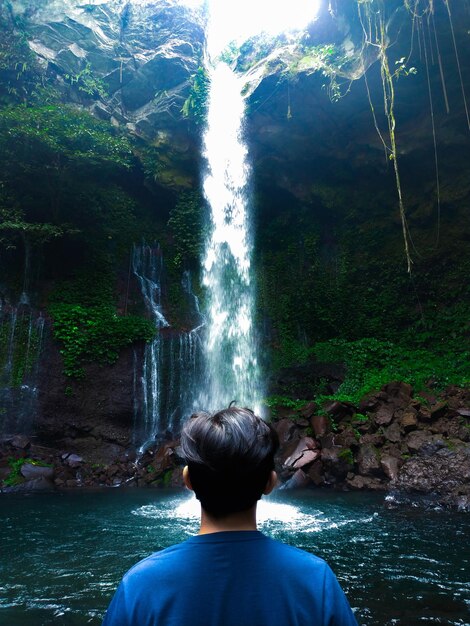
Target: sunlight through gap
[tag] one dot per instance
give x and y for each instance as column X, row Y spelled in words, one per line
column 239, row 20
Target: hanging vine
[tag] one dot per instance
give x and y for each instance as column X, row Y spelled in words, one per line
column 375, row 34
column 373, row 19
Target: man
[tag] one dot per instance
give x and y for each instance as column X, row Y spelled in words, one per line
column 230, row 574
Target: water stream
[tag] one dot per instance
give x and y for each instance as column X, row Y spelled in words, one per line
column 217, row 361
column 167, row 383
column 63, row 555
column 230, row 345
column 21, row 343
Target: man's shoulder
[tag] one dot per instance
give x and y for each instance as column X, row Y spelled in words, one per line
column 295, row 555
column 158, row 561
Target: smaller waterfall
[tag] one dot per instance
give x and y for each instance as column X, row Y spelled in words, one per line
column 147, row 265
column 21, row 342
column 167, row 382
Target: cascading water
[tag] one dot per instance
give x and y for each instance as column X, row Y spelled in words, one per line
column 21, row 341
column 147, row 267
column 217, row 361
column 230, row 348
column 165, row 388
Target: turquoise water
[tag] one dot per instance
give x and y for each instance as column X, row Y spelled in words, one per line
column 62, row 555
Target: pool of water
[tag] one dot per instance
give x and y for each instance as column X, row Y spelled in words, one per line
column 62, row 555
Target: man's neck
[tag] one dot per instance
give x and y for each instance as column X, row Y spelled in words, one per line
column 245, row 520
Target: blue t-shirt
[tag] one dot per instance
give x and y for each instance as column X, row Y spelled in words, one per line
column 236, row 578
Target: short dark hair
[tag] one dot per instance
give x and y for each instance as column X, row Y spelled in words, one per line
column 230, row 455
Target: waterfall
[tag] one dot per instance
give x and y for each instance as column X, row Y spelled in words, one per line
column 147, row 265
column 230, row 347
column 21, row 341
column 167, row 382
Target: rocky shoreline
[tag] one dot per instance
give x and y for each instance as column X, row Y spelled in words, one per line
column 393, row 441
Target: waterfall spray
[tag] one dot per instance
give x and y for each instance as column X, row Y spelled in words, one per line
column 232, row 370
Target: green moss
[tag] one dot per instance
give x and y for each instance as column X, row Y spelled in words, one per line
column 346, row 455
column 284, row 401
column 21, row 349
column 15, row 477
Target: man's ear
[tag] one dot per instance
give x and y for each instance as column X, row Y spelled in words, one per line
column 272, row 482
column 186, row 480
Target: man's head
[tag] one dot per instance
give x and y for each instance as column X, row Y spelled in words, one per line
column 230, row 457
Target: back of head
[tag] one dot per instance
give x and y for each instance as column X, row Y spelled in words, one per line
column 230, row 455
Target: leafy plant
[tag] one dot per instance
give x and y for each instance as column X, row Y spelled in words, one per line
column 196, row 104
column 187, row 225
column 86, row 82
column 86, row 323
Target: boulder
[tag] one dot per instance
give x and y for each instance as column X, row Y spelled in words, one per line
column 444, row 472
column 327, row 440
column 20, row 442
column 365, row 482
column 72, row 460
column 438, row 410
column 299, row 479
column 315, row 473
column 393, row 433
column 375, row 439
column 346, row 438
column 424, row 414
column 305, row 452
column 308, row 410
column 423, row 441
column 399, row 391
column 36, row 484
column 340, row 410
column 390, row 466
column 320, row 425
column 337, row 462
column 384, row 415
column 409, row 421
column 368, row 459
column 30, row 471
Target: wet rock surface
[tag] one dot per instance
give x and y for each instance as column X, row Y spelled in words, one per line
column 393, row 441
column 333, row 446
column 130, row 64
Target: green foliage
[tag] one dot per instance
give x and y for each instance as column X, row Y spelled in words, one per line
column 359, row 417
column 187, row 225
column 166, row 478
column 275, row 401
column 195, row 105
column 151, row 163
column 347, row 456
column 15, row 477
column 86, row 82
column 86, row 323
column 230, row 53
column 56, row 137
column 94, row 333
column 372, row 363
column 20, row 74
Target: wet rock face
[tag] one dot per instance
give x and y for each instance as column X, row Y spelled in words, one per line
column 128, row 63
column 92, row 418
column 408, row 452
